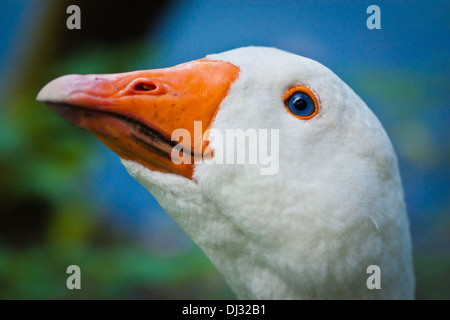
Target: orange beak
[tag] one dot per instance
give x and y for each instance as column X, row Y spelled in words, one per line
column 135, row 113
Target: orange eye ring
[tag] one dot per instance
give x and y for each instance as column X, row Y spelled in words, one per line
column 306, row 91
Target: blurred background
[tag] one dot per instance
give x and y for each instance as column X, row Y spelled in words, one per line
column 66, row 199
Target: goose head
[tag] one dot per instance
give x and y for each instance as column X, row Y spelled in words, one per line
column 305, row 224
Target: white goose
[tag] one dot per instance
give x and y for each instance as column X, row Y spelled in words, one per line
column 310, row 231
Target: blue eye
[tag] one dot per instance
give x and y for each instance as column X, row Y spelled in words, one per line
column 301, row 105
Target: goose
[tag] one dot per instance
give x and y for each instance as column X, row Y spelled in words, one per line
column 333, row 209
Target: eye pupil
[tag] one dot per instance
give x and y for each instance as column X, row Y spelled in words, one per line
column 300, row 104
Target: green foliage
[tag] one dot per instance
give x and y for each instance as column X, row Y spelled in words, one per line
column 110, row 272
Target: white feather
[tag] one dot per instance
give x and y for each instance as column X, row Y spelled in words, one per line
column 334, row 208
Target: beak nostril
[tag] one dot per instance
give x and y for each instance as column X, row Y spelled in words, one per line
column 144, row 86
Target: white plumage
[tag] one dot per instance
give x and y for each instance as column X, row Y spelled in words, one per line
column 334, row 208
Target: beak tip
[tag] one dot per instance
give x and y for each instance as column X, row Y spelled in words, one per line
column 42, row 95
column 57, row 90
